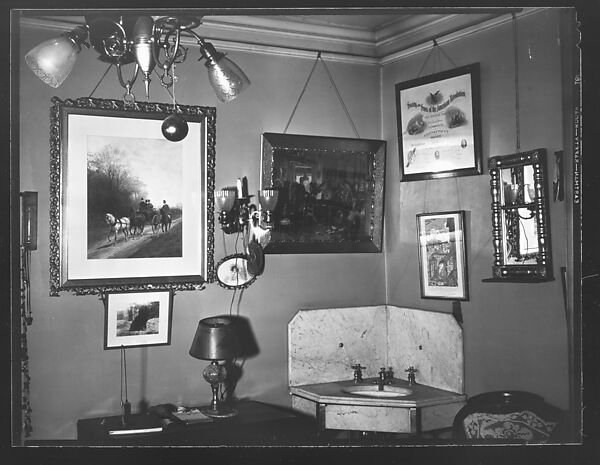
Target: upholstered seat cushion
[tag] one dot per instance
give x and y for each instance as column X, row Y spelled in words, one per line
column 516, row 426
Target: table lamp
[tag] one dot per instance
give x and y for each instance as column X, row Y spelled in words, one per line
column 216, row 340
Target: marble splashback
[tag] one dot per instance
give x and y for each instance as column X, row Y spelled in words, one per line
column 432, row 342
column 324, row 343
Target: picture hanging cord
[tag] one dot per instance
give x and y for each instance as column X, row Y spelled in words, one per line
column 435, row 49
column 101, row 79
column 173, row 93
column 515, row 37
column 335, row 88
column 457, row 192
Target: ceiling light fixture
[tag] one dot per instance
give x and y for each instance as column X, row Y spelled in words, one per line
column 141, row 40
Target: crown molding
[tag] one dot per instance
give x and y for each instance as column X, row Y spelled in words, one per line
column 258, row 34
column 457, row 35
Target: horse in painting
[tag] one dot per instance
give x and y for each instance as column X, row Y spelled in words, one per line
column 116, row 225
column 165, row 221
column 138, row 223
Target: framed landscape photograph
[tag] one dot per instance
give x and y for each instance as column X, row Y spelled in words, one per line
column 330, row 193
column 439, row 127
column 130, row 210
column 442, row 255
column 135, row 319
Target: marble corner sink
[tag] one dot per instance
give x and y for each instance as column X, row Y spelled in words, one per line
column 374, row 391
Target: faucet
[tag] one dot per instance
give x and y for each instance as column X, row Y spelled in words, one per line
column 411, row 370
column 357, row 372
column 383, row 379
column 389, row 374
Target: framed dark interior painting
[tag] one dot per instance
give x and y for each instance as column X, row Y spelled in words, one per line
column 442, row 255
column 439, row 127
column 136, row 319
column 330, row 193
column 129, row 208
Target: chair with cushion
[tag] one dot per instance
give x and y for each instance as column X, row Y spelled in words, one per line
column 508, row 417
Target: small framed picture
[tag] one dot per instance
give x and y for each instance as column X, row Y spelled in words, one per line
column 439, row 127
column 442, row 255
column 135, row 319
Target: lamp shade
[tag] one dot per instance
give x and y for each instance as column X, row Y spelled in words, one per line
column 216, row 339
column 53, row 60
column 225, row 198
column 226, row 78
column 268, row 198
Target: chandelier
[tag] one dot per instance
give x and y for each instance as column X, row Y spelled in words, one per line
column 144, row 41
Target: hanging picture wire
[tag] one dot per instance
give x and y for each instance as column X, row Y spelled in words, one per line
column 320, row 58
column 516, row 53
column 435, row 52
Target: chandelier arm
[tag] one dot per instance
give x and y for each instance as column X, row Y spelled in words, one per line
column 199, row 39
column 128, row 84
column 201, row 42
column 166, row 65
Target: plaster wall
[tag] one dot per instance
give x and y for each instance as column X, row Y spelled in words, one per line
column 71, row 375
column 515, row 335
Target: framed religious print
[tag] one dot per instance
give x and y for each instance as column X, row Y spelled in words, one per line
column 439, row 127
column 442, row 255
column 329, row 193
column 135, row 319
column 129, row 209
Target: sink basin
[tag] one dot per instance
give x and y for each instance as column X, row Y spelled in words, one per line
column 373, row 391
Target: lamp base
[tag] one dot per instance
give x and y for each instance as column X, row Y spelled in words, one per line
column 220, row 411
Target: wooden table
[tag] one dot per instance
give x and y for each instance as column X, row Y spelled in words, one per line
column 257, row 424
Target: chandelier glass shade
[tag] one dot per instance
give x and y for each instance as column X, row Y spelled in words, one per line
column 53, row 59
column 147, row 43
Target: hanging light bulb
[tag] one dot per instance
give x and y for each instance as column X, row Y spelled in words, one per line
column 226, row 78
column 53, row 59
column 174, row 128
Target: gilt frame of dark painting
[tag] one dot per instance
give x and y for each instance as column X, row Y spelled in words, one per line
column 443, row 255
column 138, row 319
column 129, row 209
column 330, row 193
column 439, row 125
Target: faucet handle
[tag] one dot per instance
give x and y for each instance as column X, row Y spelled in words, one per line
column 411, row 370
column 357, row 371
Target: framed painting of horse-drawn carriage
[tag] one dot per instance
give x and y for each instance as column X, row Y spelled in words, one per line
column 129, row 209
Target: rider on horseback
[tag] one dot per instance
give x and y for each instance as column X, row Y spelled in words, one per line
column 165, row 216
column 165, row 210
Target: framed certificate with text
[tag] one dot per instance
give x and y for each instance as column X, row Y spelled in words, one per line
column 439, row 127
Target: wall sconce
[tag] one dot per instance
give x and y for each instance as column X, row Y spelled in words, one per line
column 125, row 39
column 237, row 214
